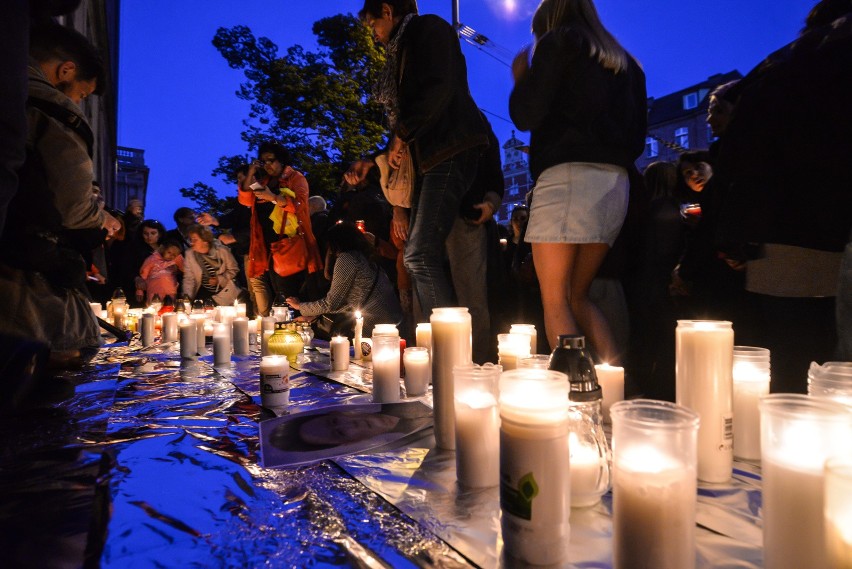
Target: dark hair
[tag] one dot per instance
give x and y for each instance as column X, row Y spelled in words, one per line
column 51, row 41
column 400, row 8
column 693, row 157
column 182, row 212
column 153, row 224
column 241, row 169
column 661, row 179
column 281, row 154
column 170, row 242
column 344, row 236
column 203, row 233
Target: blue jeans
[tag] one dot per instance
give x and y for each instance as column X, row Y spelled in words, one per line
column 439, row 194
column 467, row 251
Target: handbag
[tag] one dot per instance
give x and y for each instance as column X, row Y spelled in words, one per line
column 397, row 185
column 340, row 323
column 289, row 255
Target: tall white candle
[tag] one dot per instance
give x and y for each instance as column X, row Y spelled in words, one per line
column 264, row 342
column 611, row 380
column 837, row 507
column 200, row 332
column 147, row 329
column 275, row 383
column 423, row 336
column 253, row 326
column 751, row 382
column 418, row 370
column 385, row 369
column 240, row 326
column 221, row 345
column 169, row 328
column 798, row 434
column 529, row 331
column 477, row 425
column 451, row 346
column 339, row 351
column 535, row 488
column 188, row 343
column 359, row 330
column 704, row 361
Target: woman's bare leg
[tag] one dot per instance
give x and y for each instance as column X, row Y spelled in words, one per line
column 553, row 266
column 588, row 316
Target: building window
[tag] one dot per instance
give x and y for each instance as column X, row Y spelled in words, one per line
column 652, row 148
column 682, row 137
column 690, row 101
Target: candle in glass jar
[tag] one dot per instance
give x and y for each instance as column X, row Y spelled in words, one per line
column 418, row 370
column 423, row 336
column 275, row 383
column 451, row 346
column 611, row 380
column 240, row 333
column 477, row 425
column 511, row 348
column 221, row 345
column 359, row 330
column 837, row 508
column 528, row 330
column 169, row 328
column 751, row 382
column 240, row 308
column 585, row 465
column 704, row 352
column 339, row 351
column 188, row 343
column 385, row 369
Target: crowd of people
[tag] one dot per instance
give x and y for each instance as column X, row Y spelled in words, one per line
column 752, row 229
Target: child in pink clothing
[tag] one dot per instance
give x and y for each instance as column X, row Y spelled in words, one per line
column 160, row 271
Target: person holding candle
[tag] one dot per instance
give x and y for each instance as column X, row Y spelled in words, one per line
column 582, row 96
column 357, row 283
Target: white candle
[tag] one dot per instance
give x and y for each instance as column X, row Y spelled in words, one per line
column 837, row 507
column 252, row 329
column 169, row 328
column 240, row 326
column 451, row 346
column 611, row 380
column 535, row 490
column 423, row 336
column 477, row 439
column 653, row 522
column 264, row 342
column 275, row 383
column 200, row 321
column 147, row 330
column 188, row 343
column 240, row 308
column 359, row 329
column 751, row 382
column 221, row 345
column 96, row 308
column 385, row 369
column 512, row 348
column 418, row 370
column 339, row 351
column 119, row 312
column 798, row 434
column 367, row 349
column 704, row 362
column 586, row 473
column 529, row 331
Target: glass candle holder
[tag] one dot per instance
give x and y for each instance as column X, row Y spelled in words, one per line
column 704, row 352
column 451, row 346
column 240, row 335
column 751, row 374
column 837, row 508
column 535, row 492
column 275, row 383
column 423, row 336
column 798, row 434
column 535, row 361
column 511, row 348
column 385, row 368
column 477, row 425
column 286, row 342
column 418, row 370
column 654, row 445
column 831, row 380
column 527, row 330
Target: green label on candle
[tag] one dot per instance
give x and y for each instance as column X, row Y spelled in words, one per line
column 518, row 501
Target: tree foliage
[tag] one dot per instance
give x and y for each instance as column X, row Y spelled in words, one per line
column 206, row 199
column 315, row 104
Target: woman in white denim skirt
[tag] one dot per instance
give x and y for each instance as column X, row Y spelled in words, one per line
column 583, row 98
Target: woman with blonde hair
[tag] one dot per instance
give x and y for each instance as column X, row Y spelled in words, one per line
column 582, row 96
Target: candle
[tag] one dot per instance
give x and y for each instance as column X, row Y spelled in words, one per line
column 385, row 369
column 477, row 425
column 253, row 325
column 96, row 308
column 366, row 349
column 169, row 327
column 837, row 508
column 339, row 351
column 418, row 370
column 535, row 492
column 751, row 382
column 240, row 308
column 798, row 433
column 147, row 330
column 587, row 482
column 359, row 329
column 511, row 348
column 240, row 335
column 275, row 383
column 264, row 342
column 527, row 330
column 611, row 380
column 200, row 332
column 832, row 380
column 188, row 343
column 654, row 485
column 221, row 345
column 119, row 312
column 451, row 346
column 704, row 352
column 423, row 336
column 535, row 361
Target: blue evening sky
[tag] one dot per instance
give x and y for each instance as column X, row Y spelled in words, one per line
column 177, row 95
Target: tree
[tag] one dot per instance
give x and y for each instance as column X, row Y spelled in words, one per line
column 207, row 200
column 317, row 105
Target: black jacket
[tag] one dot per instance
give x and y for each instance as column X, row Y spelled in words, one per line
column 577, row 110
column 437, row 115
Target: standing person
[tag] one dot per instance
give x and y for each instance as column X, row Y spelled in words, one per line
column 582, row 96
column 283, row 249
column 434, row 120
